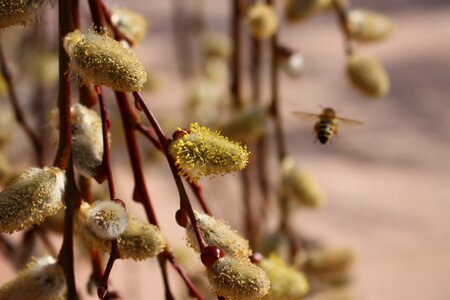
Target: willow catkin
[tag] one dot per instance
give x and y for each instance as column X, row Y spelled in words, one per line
column 19, row 12
column 368, row 76
column 368, row 26
column 104, row 61
column 247, row 124
column 299, row 10
column 300, row 186
column 42, row 279
column 139, row 241
column 238, row 279
column 133, row 25
column 286, row 283
column 329, row 265
column 107, row 219
column 262, row 21
column 216, row 46
column 31, row 197
column 217, row 232
column 202, row 152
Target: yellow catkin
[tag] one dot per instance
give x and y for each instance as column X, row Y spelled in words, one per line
column 329, row 265
column 368, row 76
column 217, row 232
column 129, row 23
column 300, row 186
column 238, row 279
column 40, row 280
column 139, row 241
column 368, row 26
column 104, row 61
column 248, row 124
column 300, row 10
column 202, row 152
column 31, row 197
column 216, row 46
column 262, row 21
column 286, row 283
column 19, row 12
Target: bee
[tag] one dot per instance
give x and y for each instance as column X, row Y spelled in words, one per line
column 327, row 126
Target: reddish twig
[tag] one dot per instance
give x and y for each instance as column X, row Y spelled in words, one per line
column 342, row 14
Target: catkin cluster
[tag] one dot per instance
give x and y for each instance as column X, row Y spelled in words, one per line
column 104, row 61
column 202, row 152
column 31, row 197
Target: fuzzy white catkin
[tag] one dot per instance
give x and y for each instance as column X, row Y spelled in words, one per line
column 107, row 219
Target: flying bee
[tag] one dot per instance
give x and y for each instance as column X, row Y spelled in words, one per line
column 327, row 126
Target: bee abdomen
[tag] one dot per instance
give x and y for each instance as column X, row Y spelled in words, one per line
column 325, row 131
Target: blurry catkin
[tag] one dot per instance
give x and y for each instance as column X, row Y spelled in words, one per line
column 5, row 168
column 202, row 152
column 3, row 87
column 216, row 46
column 368, row 26
column 300, row 186
column 104, row 61
column 294, row 65
column 248, row 124
column 139, row 241
column 129, row 23
column 368, row 75
column 6, row 125
column 329, row 265
column 107, row 219
column 31, row 197
column 299, row 10
column 42, row 279
column 218, row 233
column 286, row 283
column 19, row 12
column 262, row 21
column 238, row 279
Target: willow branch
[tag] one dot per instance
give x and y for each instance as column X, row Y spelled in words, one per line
column 342, row 14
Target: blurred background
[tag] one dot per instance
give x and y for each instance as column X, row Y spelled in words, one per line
column 386, row 182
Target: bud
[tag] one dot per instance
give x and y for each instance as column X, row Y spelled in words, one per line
column 19, row 12
column 129, row 23
column 42, row 279
column 329, row 265
column 262, row 21
column 31, row 197
column 299, row 10
column 218, row 233
column 106, row 219
column 238, row 279
column 368, row 76
column 216, row 46
column 139, row 241
column 300, row 186
column 248, row 124
column 286, row 283
column 104, row 61
column 202, row 152
column 368, row 26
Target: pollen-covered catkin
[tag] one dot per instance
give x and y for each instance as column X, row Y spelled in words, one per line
column 329, row 265
column 218, row 233
column 368, row 75
column 42, row 279
column 262, row 21
column 104, row 61
column 368, row 26
column 139, row 241
column 286, row 283
column 238, row 279
column 19, row 12
column 129, row 23
column 107, row 219
column 202, row 152
column 299, row 185
column 247, row 124
column 31, row 197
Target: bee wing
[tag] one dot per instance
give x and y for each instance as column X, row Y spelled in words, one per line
column 305, row 115
column 349, row 121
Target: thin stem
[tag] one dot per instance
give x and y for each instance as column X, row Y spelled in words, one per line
column 116, row 32
column 20, row 116
column 236, row 56
column 141, row 195
column 342, row 14
column 163, row 140
column 148, row 133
